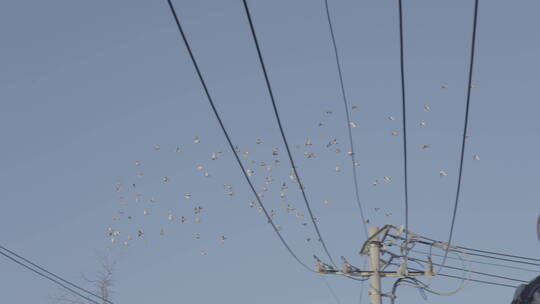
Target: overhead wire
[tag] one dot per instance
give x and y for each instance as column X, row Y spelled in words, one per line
column 282, row 132
column 479, row 262
column 229, row 141
column 347, row 113
column 404, row 117
column 52, row 279
column 498, row 253
column 470, row 253
column 465, row 128
column 471, row 271
column 332, row 292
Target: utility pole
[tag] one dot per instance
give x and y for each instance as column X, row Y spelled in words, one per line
column 372, row 247
column 375, row 277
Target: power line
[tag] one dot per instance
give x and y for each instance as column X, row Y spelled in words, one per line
column 54, row 275
column 349, row 129
column 464, row 137
column 486, row 251
column 477, row 281
column 404, row 120
column 479, row 262
column 471, row 271
column 229, row 141
column 282, row 132
column 497, row 253
column 53, row 280
column 468, row 253
column 472, row 280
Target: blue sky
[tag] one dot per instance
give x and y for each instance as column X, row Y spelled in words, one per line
column 89, row 88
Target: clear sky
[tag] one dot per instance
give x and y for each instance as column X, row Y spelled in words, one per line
column 87, row 88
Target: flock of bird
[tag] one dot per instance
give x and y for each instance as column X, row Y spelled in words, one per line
column 253, row 168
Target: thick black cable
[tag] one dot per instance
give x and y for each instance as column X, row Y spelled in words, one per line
column 479, row 262
column 54, row 275
column 471, row 271
column 349, row 128
column 404, row 120
column 229, row 141
column 464, row 137
column 274, row 106
column 51, row 279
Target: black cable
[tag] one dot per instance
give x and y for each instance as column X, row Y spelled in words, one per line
column 469, row 279
column 270, row 92
column 468, row 253
column 498, row 253
column 502, row 259
column 212, row 105
column 471, row 271
column 477, row 281
column 402, row 66
column 479, row 262
column 464, row 138
column 52, row 279
column 54, row 275
column 346, row 103
column 409, row 280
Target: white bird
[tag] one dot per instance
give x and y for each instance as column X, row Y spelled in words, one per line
column 353, row 125
column 197, row 140
column 443, row 173
column 476, row 157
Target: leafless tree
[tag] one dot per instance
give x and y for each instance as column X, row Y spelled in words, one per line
column 103, row 283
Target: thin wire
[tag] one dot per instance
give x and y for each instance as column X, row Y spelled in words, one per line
column 502, row 259
column 477, row 281
column 486, row 251
column 51, row 279
column 498, row 253
column 479, row 262
column 334, row 295
column 464, row 138
column 474, row 254
column 270, row 92
column 469, row 279
column 229, row 141
column 472, row 271
column 362, row 287
column 346, row 103
column 404, row 122
column 54, row 275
